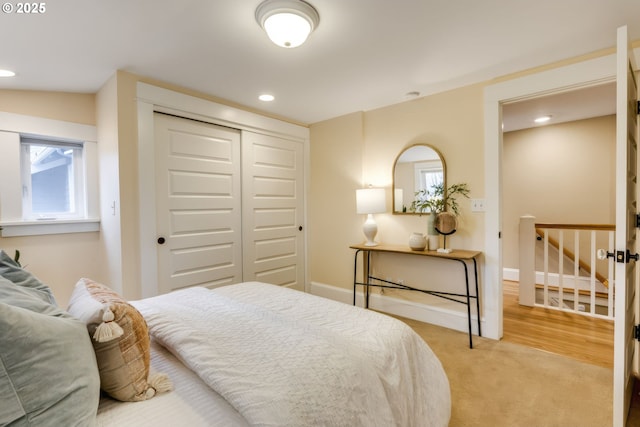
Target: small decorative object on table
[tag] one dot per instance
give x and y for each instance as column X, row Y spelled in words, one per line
column 433, row 237
column 417, row 241
column 446, row 224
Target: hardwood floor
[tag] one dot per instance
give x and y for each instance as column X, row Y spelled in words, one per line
column 580, row 337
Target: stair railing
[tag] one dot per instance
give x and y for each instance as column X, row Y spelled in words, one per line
column 568, row 279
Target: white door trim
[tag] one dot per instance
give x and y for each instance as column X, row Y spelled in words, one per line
column 587, row 73
column 165, row 100
column 152, row 98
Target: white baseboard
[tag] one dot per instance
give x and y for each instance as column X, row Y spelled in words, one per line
column 511, row 274
column 424, row 313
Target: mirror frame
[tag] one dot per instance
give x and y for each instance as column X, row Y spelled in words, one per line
column 393, row 178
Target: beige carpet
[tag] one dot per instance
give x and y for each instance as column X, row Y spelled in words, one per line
column 498, row 384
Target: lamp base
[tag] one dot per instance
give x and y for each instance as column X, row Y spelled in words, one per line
column 370, row 229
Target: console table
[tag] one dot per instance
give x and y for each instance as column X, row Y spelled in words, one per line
column 460, row 256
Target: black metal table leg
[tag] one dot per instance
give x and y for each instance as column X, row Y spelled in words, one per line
column 475, row 272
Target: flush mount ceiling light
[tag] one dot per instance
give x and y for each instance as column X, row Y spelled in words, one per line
column 542, row 119
column 288, row 23
column 7, row 73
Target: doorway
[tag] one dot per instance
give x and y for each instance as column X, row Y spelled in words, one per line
column 581, row 75
column 561, row 171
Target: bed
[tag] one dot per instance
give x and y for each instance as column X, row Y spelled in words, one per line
column 191, row 402
column 253, row 354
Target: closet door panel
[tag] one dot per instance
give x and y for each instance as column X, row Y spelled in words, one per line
column 272, row 191
column 198, row 204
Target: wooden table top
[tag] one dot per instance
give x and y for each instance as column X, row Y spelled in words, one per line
column 455, row 254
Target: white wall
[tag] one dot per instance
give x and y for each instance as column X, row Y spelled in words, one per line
column 562, row 173
column 59, row 260
column 110, row 236
column 356, row 150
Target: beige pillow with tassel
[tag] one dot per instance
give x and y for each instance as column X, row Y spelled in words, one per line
column 120, row 338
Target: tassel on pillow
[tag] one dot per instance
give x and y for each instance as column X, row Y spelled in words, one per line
column 107, row 330
column 158, row 383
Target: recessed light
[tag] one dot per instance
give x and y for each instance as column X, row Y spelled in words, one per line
column 7, row 73
column 266, row 97
column 542, row 119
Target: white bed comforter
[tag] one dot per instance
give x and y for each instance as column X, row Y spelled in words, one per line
column 286, row 358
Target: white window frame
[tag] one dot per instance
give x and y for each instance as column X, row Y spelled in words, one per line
column 14, row 219
column 76, row 195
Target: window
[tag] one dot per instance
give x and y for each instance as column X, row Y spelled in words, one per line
column 428, row 174
column 48, row 176
column 52, row 179
column 430, row 178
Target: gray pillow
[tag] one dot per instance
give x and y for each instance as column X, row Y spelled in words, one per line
column 48, row 370
column 11, row 270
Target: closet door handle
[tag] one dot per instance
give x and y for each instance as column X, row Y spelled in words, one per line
column 300, row 228
column 161, row 240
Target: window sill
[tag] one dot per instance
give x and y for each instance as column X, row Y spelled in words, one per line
column 37, row 228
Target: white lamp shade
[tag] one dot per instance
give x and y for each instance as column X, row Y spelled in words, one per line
column 371, row 200
column 288, row 23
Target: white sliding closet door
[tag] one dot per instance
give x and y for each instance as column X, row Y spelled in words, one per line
column 273, row 210
column 198, row 203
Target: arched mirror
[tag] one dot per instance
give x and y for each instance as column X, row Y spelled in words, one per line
column 418, row 167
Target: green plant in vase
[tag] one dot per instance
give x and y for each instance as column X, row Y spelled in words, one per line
column 435, row 200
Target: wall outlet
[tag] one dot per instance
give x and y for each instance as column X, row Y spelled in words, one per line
column 477, row 205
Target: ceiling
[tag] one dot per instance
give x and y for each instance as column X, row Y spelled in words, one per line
column 584, row 103
column 364, row 54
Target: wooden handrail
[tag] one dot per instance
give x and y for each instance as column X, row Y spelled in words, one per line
column 569, row 254
column 597, row 227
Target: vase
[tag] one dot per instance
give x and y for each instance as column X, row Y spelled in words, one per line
column 432, row 233
column 431, row 228
column 433, row 242
column 417, row 241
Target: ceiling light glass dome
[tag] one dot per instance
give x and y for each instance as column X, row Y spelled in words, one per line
column 288, row 23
